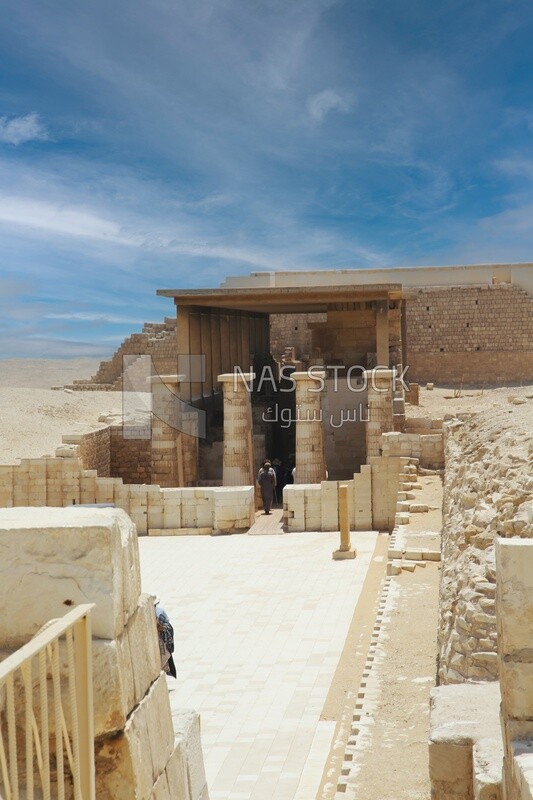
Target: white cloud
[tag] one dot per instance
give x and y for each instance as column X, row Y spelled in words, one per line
column 19, row 130
column 58, row 219
column 318, row 105
column 85, row 316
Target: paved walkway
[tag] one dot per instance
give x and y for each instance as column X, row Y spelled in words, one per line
column 260, row 624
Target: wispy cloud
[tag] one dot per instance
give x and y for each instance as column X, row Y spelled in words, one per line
column 19, row 130
column 82, row 316
column 320, row 104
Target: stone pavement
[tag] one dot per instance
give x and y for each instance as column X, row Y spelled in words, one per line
column 260, row 624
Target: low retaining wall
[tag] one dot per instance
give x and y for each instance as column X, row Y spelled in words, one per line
column 372, row 499
column 62, row 481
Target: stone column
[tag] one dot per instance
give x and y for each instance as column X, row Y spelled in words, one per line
column 380, row 409
column 238, row 457
column 165, row 428
column 310, row 462
column 382, row 333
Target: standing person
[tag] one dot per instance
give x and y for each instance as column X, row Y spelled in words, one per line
column 266, row 479
column 165, row 632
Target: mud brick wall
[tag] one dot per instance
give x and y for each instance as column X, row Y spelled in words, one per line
column 130, row 459
column 471, row 334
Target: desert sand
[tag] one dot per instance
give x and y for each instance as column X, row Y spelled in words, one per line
column 33, row 417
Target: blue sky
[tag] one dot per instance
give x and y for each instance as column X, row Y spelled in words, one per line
column 162, row 144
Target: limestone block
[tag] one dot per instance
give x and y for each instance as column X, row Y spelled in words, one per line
column 487, row 769
column 188, row 741
column 161, row 789
column 128, row 765
column 66, row 557
column 522, row 768
column 462, row 717
column 176, row 769
column 514, row 594
column 516, row 680
column 171, row 508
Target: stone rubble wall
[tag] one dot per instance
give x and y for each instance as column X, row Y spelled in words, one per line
column 62, row 481
column 92, row 556
column 488, row 487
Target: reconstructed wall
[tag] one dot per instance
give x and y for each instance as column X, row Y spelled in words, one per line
column 477, row 335
column 455, row 334
column 487, row 492
column 372, row 499
column 62, row 481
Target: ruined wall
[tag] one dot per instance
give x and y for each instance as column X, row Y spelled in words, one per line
column 130, row 459
column 94, row 450
column 477, row 335
column 487, row 486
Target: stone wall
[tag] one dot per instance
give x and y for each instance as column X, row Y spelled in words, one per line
column 428, row 448
column 292, row 330
column 455, row 334
column 471, row 334
column 92, row 556
column 372, row 499
column 130, row 459
column 93, row 449
column 487, row 492
column 62, row 481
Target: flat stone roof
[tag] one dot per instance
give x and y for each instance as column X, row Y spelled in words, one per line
column 282, row 299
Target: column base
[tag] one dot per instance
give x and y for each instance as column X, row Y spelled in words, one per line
column 342, row 555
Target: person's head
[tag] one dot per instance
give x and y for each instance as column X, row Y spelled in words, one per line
column 267, row 464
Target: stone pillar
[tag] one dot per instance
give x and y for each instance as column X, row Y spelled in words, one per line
column 165, row 427
column 380, row 409
column 382, row 333
column 310, row 462
column 345, row 548
column 238, row 457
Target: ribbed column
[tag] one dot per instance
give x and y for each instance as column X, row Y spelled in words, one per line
column 310, row 463
column 238, row 453
column 380, row 409
column 165, row 429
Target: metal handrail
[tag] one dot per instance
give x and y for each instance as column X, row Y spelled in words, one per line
column 46, row 713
